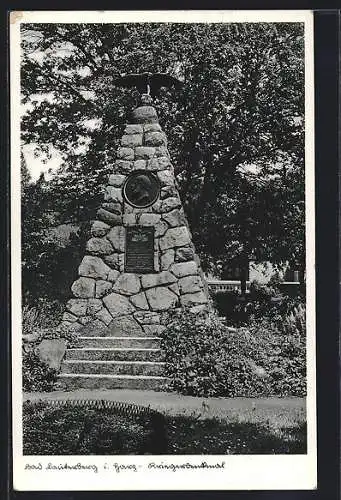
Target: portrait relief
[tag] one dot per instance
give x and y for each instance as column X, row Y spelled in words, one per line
column 141, row 189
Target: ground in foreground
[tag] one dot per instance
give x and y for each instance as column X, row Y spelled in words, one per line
column 190, row 425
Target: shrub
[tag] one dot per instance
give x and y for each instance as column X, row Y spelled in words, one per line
column 205, row 357
column 36, row 375
column 40, row 322
column 263, row 301
column 41, row 313
column 81, row 430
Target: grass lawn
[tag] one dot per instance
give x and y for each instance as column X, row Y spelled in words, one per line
column 241, row 426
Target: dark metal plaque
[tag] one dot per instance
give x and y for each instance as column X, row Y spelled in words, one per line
column 139, row 255
column 141, row 189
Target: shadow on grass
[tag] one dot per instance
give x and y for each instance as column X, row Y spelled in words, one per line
column 90, row 431
column 213, row 436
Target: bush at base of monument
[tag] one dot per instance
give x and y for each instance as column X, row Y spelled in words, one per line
column 36, row 375
column 43, row 346
column 206, row 358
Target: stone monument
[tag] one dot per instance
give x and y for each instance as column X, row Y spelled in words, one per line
column 139, row 262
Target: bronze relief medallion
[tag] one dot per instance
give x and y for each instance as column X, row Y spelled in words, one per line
column 141, row 189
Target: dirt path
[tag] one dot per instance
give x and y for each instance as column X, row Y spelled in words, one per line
column 251, row 409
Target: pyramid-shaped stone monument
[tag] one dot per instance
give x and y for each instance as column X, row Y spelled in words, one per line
column 139, row 262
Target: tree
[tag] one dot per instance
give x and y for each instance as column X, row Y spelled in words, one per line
column 235, row 131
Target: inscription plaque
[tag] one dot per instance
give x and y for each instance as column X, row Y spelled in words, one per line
column 139, row 254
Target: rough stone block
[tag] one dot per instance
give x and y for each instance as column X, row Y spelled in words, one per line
column 113, row 275
column 144, row 153
column 155, row 138
column 168, row 192
column 153, row 280
column 124, row 325
column 152, row 127
column 108, row 217
column 184, row 269
column 153, row 164
column 167, row 259
column 160, row 229
column 166, row 177
column 169, row 204
column 193, row 299
column 127, row 284
column 93, row 328
column 113, row 207
column 144, row 114
column 123, row 166
column 175, row 237
column 93, row 267
column 148, row 317
column 116, row 237
column 99, row 246
column 102, row 288
column 51, row 352
column 161, row 298
column 113, row 194
column 164, row 162
column 128, row 209
column 118, row 305
column 125, row 153
column 104, row 316
column 116, row 180
column 184, row 254
column 175, row 217
column 94, row 305
column 115, row 261
column 175, row 288
column 70, row 327
column 154, row 330
column 162, row 151
column 77, row 306
column 149, row 219
column 140, row 164
column 139, row 301
column 131, row 140
column 83, row 288
column 190, row 284
column 99, row 229
column 133, row 129
column 129, row 220
column 67, row 316
column 84, row 320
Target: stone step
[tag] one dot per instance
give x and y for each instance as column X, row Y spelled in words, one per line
column 71, row 381
column 99, row 330
column 114, row 367
column 112, row 354
column 122, row 342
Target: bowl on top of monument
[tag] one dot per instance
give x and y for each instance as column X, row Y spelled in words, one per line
column 141, row 189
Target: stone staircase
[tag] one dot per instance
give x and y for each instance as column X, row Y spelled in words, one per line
column 125, row 362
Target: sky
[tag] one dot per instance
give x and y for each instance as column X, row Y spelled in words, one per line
column 36, row 165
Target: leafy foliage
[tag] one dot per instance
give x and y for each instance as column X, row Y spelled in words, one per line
column 235, row 132
column 39, row 323
column 36, row 375
column 49, row 259
column 262, row 301
column 206, row 358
